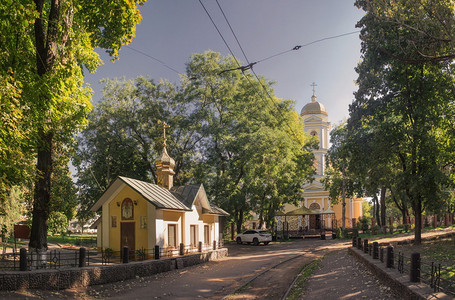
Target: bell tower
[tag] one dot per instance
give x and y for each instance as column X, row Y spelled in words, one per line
column 165, row 165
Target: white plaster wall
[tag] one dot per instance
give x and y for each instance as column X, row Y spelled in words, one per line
column 165, row 231
column 193, row 218
column 159, row 227
column 216, row 234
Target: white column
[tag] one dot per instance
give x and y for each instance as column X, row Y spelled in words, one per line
column 151, row 226
column 106, row 224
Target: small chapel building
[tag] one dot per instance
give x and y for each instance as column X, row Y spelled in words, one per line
column 141, row 214
column 316, row 212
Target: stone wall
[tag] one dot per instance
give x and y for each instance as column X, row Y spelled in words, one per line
column 81, row 277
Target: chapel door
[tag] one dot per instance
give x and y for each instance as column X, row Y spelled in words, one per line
column 315, row 221
column 127, row 236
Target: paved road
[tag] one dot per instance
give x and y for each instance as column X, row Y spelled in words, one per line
column 212, row 280
column 217, row 279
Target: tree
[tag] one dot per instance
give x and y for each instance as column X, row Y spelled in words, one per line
column 337, row 179
column 46, row 45
column 247, row 149
column 249, row 134
column 402, row 100
column 411, row 31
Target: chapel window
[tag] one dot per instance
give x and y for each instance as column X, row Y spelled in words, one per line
column 172, row 235
column 315, row 206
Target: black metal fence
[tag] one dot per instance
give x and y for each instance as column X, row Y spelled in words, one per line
column 55, row 259
column 436, row 276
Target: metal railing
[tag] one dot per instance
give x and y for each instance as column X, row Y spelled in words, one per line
column 436, row 276
column 55, row 259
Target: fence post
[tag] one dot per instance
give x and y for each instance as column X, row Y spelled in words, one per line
column 365, row 246
column 199, row 247
column 359, row 243
column 415, row 267
column 375, row 250
column 354, row 240
column 381, row 254
column 157, row 252
column 182, row 249
column 214, row 245
column 82, row 257
column 125, row 254
column 389, row 263
column 23, row 259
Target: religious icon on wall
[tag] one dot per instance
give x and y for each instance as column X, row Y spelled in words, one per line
column 127, row 209
column 113, row 221
column 143, row 222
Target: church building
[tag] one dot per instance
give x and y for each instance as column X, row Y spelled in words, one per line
column 316, row 211
column 141, row 214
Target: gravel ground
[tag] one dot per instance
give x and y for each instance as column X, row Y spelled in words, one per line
column 340, row 276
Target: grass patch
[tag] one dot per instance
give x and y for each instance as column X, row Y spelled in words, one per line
column 73, row 240
column 298, row 288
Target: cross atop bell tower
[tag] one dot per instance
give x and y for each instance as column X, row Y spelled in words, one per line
column 313, row 98
column 164, row 132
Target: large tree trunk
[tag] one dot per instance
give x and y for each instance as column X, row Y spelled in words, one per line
column 417, row 207
column 239, row 221
column 383, row 216
column 46, row 31
column 38, row 235
column 376, row 210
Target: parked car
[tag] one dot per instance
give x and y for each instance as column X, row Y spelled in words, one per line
column 254, row 236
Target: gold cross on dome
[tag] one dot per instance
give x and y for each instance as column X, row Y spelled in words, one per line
column 164, row 131
column 314, row 85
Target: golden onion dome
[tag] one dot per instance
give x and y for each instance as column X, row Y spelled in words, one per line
column 313, row 107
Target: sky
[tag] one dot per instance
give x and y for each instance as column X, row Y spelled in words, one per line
column 172, row 30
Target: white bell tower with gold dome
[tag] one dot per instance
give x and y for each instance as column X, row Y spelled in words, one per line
column 324, row 214
column 316, row 123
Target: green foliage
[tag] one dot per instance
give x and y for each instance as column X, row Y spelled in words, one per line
column 339, row 233
column 401, row 122
column 12, row 210
column 247, row 148
column 58, row 223
column 364, row 223
column 44, row 47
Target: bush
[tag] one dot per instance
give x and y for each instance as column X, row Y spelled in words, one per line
column 364, row 223
column 339, row 233
column 355, row 232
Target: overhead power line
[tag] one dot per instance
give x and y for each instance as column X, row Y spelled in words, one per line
column 250, row 67
column 155, row 59
column 298, row 47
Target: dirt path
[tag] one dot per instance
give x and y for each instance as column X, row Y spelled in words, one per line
column 340, row 276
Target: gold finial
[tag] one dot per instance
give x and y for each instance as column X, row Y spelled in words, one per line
column 164, row 131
